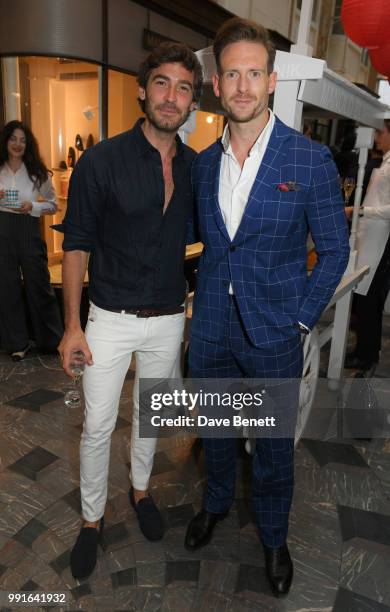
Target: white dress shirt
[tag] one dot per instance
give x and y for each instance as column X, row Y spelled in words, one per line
column 374, row 227
column 381, row 209
column 27, row 191
column 235, row 183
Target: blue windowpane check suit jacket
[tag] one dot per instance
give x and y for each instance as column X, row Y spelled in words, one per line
column 266, row 260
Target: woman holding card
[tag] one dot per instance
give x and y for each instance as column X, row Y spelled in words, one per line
column 26, row 193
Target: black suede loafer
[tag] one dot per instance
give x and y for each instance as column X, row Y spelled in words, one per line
column 84, row 553
column 279, row 569
column 200, row 530
column 149, row 517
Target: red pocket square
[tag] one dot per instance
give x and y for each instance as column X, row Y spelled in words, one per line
column 289, row 186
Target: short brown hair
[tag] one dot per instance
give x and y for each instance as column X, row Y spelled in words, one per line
column 387, row 124
column 237, row 30
column 168, row 53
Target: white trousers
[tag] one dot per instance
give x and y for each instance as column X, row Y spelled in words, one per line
column 113, row 338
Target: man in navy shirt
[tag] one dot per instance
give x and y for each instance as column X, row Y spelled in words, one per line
column 129, row 204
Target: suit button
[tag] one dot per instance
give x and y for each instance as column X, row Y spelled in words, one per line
column 232, row 248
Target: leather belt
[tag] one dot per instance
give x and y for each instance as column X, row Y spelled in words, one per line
column 144, row 313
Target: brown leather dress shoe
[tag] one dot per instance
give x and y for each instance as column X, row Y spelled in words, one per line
column 279, row 569
column 200, row 530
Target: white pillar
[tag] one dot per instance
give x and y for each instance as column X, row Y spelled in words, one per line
column 364, row 141
column 11, row 87
column 286, row 106
column 339, row 340
column 302, row 46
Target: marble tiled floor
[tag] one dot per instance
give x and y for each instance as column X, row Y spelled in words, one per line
column 339, row 529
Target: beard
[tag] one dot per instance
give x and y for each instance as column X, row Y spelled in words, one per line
column 245, row 116
column 165, row 124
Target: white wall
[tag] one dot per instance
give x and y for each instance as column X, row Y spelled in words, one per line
column 274, row 15
column 344, row 57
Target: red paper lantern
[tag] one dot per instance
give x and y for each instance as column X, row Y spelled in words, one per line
column 380, row 59
column 366, row 23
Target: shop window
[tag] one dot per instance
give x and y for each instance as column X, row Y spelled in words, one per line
column 209, row 127
column 337, row 25
column 58, row 99
column 123, row 107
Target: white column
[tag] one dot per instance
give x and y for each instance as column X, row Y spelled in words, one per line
column 11, row 87
column 286, row 106
column 302, row 45
column 339, row 340
column 364, row 141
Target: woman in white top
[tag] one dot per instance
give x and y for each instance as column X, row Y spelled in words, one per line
column 374, row 250
column 26, row 193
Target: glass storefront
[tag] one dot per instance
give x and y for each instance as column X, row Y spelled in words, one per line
column 59, row 99
column 123, row 108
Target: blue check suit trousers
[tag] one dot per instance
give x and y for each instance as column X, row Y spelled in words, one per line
column 273, row 463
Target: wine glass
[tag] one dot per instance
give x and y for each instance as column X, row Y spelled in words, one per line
column 348, row 186
column 72, row 397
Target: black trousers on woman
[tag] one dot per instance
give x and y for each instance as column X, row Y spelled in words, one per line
column 24, row 268
column 369, row 311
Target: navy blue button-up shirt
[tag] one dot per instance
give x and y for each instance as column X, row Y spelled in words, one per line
column 115, row 212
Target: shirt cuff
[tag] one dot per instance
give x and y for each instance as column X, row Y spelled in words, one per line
column 303, row 328
column 367, row 211
column 38, row 208
column 73, row 240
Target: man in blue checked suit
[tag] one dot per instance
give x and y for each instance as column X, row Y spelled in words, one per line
column 259, row 190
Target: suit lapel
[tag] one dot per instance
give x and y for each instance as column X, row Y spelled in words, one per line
column 274, row 156
column 215, row 168
column 268, row 175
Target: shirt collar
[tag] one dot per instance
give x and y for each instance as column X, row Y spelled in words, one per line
column 143, row 144
column 225, row 140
